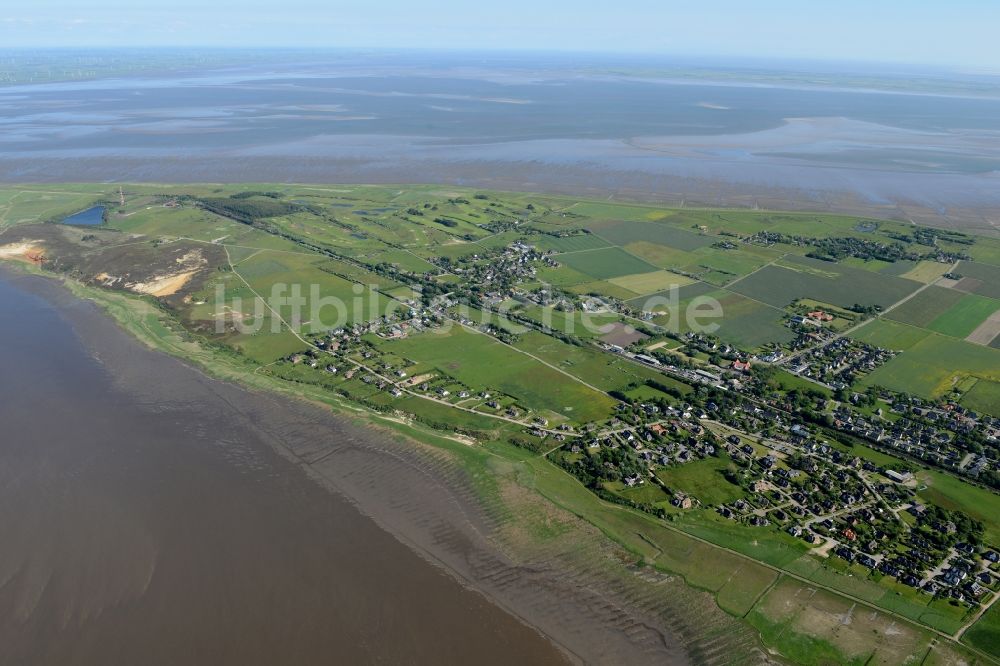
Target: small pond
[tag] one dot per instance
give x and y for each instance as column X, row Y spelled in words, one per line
column 87, row 218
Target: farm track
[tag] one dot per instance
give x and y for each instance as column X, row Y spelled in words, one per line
column 864, row 323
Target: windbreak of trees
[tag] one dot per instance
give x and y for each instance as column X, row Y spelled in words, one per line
column 249, row 209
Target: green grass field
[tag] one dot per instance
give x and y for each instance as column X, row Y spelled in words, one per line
column 984, row 278
column 749, row 324
column 602, row 370
column 800, row 277
column 569, row 243
column 965, row 316
column 703, row 479
column 934, row 365
column 890, row 335
column 481, row 362
column 985, row 634
column 625, row 232
column 948, row 492
column 648, row 283
column 984, row 396
column 926, row 306
column 605, row 263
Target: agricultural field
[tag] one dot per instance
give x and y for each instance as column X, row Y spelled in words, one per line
column 800, row 277
column 605, row 263
column 577, row 243
column 600, row 370
column 662, row 256
column 965, row 316
column 984, row 396
column 979, row 278
column 935, row 365
column 890, row 335
column 926, row 306
column 583, row 324
column 750, row 324
column 648, row 283
column 623, row 233
column 985, row 634
column 924, row 271
column 623, row 423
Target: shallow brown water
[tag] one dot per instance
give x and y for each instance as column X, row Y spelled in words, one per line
column 145, row 518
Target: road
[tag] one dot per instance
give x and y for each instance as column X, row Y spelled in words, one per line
column 864, row 322
column 388, row 380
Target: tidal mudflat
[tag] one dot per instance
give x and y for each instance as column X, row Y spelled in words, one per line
column 152, row 514
column 728, row 139
column 146, row 518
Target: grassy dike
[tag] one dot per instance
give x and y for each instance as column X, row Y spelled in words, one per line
column 791, row 616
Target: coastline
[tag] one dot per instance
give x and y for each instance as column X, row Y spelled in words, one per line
column 604, row 578
column 614, row 170
column 424, row 495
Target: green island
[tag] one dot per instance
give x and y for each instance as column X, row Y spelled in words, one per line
column 821, row 457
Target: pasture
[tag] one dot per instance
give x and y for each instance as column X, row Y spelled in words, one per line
column 648, row 283
column 985, row 634
column 924, row 271
column 560, row 244
column 890, row 335
column 949, row 492
column 749, row 324
column 606, row 372
column 661, row 255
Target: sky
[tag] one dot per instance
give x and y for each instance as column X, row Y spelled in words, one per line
column 936, row 32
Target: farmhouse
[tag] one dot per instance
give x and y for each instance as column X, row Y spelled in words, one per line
column 898, row 477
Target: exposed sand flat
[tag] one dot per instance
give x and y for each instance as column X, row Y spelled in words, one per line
column 24, row 250
column 986, row 332
column 166, row 285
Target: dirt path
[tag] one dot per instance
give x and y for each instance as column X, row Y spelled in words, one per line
column 975, row 618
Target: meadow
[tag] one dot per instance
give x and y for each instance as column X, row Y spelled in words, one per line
column 481, row 362
column 703, row 479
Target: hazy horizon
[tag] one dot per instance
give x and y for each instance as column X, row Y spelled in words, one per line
column 895, row 32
